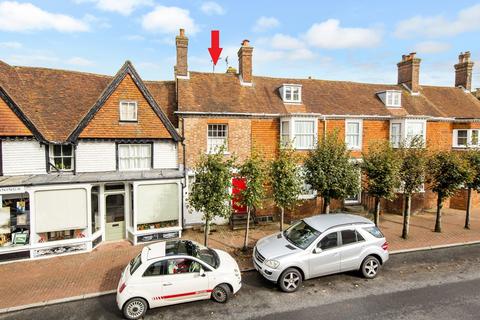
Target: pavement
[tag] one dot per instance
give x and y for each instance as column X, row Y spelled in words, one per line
column 65, row 278
column 437, row 284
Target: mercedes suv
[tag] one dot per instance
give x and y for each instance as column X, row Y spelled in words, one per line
column 318, row 246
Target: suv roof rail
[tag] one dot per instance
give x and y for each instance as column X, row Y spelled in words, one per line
column 346, row 224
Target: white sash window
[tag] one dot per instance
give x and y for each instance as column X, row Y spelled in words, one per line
column 134, row 156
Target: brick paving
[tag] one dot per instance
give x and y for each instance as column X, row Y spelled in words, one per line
column 35, row 281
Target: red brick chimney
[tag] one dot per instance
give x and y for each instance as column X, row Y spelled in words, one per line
column 463, row 71
column 245, row 61
column 181, row 68
column 409, row 71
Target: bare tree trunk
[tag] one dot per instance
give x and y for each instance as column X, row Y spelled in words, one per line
column 438, row 221
column 245, row 242
column 376, row 214
column 206, row 232
column 406, row 217
column 469, row 207
column 326, row 205
column 282, row 211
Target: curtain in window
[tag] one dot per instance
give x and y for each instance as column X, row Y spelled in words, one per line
column 414, row 130
column 353, row 135
column 157, row 203
column 395, row 135
column 134, row 156
column 304, row 134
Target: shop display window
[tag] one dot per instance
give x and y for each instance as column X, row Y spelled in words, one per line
column 14, row 220
column 95, row 209
column 61, row 235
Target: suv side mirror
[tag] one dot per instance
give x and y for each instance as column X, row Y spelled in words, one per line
column 317, row 250
column 202, row 273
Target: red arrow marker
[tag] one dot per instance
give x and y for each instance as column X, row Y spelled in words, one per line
column 215, row 49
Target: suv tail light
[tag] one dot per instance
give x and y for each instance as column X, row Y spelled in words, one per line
column 122, row 287
column 385, row 246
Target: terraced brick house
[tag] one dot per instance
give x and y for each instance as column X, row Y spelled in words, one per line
column 86, row 158
column 243, row 111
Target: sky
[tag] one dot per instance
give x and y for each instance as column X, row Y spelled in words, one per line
column 339, row 40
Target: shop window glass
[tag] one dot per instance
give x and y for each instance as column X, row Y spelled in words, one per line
column 14, row 220
column 95, row 209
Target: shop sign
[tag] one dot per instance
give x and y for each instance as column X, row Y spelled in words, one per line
column 7, row 190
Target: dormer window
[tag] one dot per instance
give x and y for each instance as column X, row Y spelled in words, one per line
column 291, row 93
column 391, row 98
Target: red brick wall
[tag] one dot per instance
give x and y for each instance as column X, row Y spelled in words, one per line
column 459, row 200
column 439, row 135
column 106, row 124
column 10, row 124
column 266, row 137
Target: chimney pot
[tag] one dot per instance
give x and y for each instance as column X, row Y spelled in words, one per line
column 182, row 32
column 246, row 43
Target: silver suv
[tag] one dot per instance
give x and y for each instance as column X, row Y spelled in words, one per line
column 321, row 245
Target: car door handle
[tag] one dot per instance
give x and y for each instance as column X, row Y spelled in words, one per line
column 167, row 284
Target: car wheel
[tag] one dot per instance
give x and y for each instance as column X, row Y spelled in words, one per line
column 290, row 280
column 135, row 308
column 370, row 267
column 221, row 293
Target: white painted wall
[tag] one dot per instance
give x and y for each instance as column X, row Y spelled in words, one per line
column 93, row 156
column 165, row 155
column 23, row 157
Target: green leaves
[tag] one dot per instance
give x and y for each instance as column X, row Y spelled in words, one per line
column 473, row 159
column 329, row 170
column 254, row 171
column 285, row 178
column 382, row 167
column 414, row 161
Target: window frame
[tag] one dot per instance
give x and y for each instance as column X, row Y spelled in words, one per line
column 396, row 144
column 469, row 144
column 292, row 132
column 209, row 149
column 357, row 234
column 338, row 241
column 390, row 99
column 127, row 102
column 359, row 122
column 52, row 157
column 294, row 89
column 310, row 195
column 118, row 159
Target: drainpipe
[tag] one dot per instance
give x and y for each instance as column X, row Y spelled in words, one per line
column 324, row 127
column 184, row 183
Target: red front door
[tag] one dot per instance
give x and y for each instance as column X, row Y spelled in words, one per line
column 238, row 184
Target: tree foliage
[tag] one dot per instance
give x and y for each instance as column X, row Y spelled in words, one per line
column 473, row 159
column 253, row 170
column 329, row 170
column 286, row 180
column 210, row 192
column 381, row 166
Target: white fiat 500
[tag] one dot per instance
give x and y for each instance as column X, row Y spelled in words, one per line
column 174, row 272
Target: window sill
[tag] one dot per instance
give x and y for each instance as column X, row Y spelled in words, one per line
column 128, row 121
column 226, row 153
column 354, row 149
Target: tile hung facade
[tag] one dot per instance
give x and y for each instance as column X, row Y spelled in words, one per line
column 86, row 158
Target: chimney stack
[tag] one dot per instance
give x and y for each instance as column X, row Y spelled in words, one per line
column 463, row 71
column 181, row 41
column 245, row 62
column 409, row 72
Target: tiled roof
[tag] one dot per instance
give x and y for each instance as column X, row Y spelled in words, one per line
column 55, row 101
column 208, row 92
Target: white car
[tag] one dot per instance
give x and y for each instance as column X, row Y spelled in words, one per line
column 174, row 272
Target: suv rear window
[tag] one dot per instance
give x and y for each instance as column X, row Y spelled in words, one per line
column 374, row 231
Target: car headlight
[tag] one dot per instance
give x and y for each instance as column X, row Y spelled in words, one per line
column 272, row 264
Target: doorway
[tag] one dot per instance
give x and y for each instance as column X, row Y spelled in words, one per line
column 114, row 216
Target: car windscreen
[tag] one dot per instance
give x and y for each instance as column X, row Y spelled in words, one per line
column 301, row 234
column 205, row 254
column 135, row 263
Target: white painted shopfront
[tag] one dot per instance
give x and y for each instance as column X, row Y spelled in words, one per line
column 50, row 219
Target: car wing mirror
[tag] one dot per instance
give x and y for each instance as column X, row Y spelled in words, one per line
column 317, row 250
column 202, row 273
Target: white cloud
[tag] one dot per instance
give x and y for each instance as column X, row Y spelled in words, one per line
column 432, row 47
column 330, row 35
column 168, row 20
column 264, row 23
column 466, row 20
column 282, row 41
column 212, row 8
column 15, row 16
column 79, row 61
column 11, row 45
column 124, row 7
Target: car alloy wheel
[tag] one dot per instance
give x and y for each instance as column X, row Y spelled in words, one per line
column 135, row 309
column 221, row 293
column 290, row 280
column 370, row 267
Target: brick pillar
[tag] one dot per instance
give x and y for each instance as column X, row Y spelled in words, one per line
column 245, row 61
column 409, row 71
column 463, row 71
column 181, row 68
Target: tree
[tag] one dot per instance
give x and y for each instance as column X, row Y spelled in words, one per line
column 381, row 166
column 448, row 172
column 413, row 157
column 473, row 159
column 330, row 172
column 286, row 181
column 210, row 192
column 254, row 172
